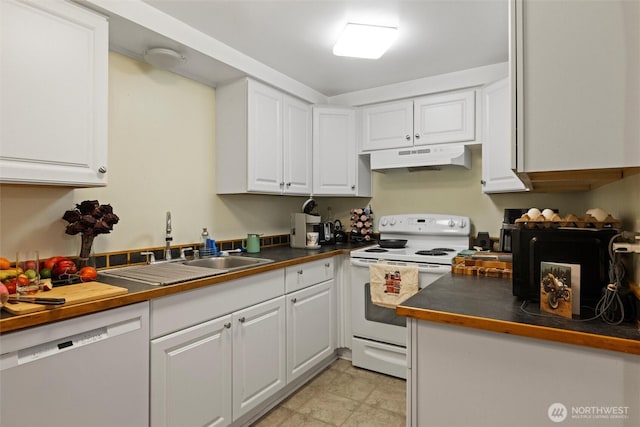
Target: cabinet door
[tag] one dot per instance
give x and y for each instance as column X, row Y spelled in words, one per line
column 53, row 108
column 297, row 149
column 311, row 328
column 264, row 134
column 446, row 117
column 259, row 354
column 387, row 126
column 191, row 376
column 334, row 151
column 497, row 175
column 578, row 86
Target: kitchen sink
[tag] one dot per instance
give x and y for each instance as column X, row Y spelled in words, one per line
column 168, row 273
column 228, row 263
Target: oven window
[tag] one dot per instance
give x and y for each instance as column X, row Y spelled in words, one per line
column 375, row 313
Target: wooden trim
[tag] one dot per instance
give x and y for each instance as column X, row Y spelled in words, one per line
column 524, row 330
column 575, row 180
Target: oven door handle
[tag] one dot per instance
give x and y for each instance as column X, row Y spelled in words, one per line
column 422, row 267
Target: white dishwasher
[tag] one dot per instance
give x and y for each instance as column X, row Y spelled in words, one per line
column 87, row 371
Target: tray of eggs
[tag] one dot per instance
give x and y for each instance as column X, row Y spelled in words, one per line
column 547, row 218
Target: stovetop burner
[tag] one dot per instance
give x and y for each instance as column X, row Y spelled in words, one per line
column 376, row 250
column 432, row 252
column 444, row 249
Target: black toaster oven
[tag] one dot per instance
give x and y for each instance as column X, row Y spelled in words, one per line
column 586, row 247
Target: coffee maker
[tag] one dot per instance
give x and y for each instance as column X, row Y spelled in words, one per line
column 301, row 223
column 508, row 225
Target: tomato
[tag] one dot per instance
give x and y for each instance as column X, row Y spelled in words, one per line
column 52, row 261
column 22, row 280
column 64, row 266
column 11, row 286
column 88, row 274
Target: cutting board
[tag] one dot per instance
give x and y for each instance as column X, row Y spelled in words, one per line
column 73, row 294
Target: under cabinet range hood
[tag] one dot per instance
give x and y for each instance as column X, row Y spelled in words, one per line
column 420, row 158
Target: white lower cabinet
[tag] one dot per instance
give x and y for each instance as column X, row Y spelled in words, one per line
column 191, row 376
column 259, row 357
column 311, row 326
column 220, row 355
column 215, row 372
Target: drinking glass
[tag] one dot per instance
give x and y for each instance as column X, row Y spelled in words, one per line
column 28, row 269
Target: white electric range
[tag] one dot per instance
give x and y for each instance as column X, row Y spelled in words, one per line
column 432, row 242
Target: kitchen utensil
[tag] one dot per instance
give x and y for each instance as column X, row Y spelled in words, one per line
column 73, row 294
column 338, row 233
column 252, row 243
column 37, row 300
column 392, row 243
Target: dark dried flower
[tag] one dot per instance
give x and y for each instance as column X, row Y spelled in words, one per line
column 111, row 219
column 74, row 228
column 101, row 227
column 106, row 209
column 88, row 206
column 71, row 216
column 88, row 221
column 90, row 218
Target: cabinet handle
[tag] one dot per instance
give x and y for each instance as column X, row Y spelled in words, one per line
column 327, row 265
column 102, row 169
column 408, row 137
column 353, row 187
column 227, row 325
column 281, row 184
column 483, row 182
column 294, row 300
column 300, row 272
column 241, row 320
column 417, row 136
column 288, row 184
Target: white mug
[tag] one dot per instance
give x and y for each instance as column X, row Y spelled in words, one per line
column 312, row 238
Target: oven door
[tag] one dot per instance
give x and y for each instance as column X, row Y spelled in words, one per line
column 377, row 323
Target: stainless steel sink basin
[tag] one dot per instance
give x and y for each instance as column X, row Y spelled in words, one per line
column 228, row 263
column 168, row 273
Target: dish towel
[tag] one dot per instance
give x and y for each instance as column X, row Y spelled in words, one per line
column 392, row 284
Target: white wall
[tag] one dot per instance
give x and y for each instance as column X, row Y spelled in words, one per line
column 161, row 154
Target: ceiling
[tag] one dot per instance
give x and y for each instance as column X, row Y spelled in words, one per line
column 296, row 37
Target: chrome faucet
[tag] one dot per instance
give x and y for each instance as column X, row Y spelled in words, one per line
column 168, row 238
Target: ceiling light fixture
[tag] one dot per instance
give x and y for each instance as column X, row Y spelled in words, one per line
column 163, row 58
column 364, row 41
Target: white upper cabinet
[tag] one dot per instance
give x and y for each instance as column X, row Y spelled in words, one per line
column 578, row 84
column 431, row 119
column 447, row 117
column 388, row 125
column 54, row 100
column 337, row 168
column 263, row 140
column 297, row 152
column 497, row 175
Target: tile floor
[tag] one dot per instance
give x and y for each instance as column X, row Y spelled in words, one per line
column 343, row 396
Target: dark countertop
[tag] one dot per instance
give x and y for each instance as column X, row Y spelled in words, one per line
column 487, row 303
column 283, row 257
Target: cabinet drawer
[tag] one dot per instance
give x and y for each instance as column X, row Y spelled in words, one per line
column 175, row 312
column 304, row 275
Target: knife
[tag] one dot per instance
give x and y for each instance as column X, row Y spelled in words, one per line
column 38, row 300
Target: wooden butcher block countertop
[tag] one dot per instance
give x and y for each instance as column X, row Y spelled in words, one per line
column 487, row 303
column 283, row 256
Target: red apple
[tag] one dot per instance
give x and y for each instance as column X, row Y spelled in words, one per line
column 64, row 266
column 52, row 261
